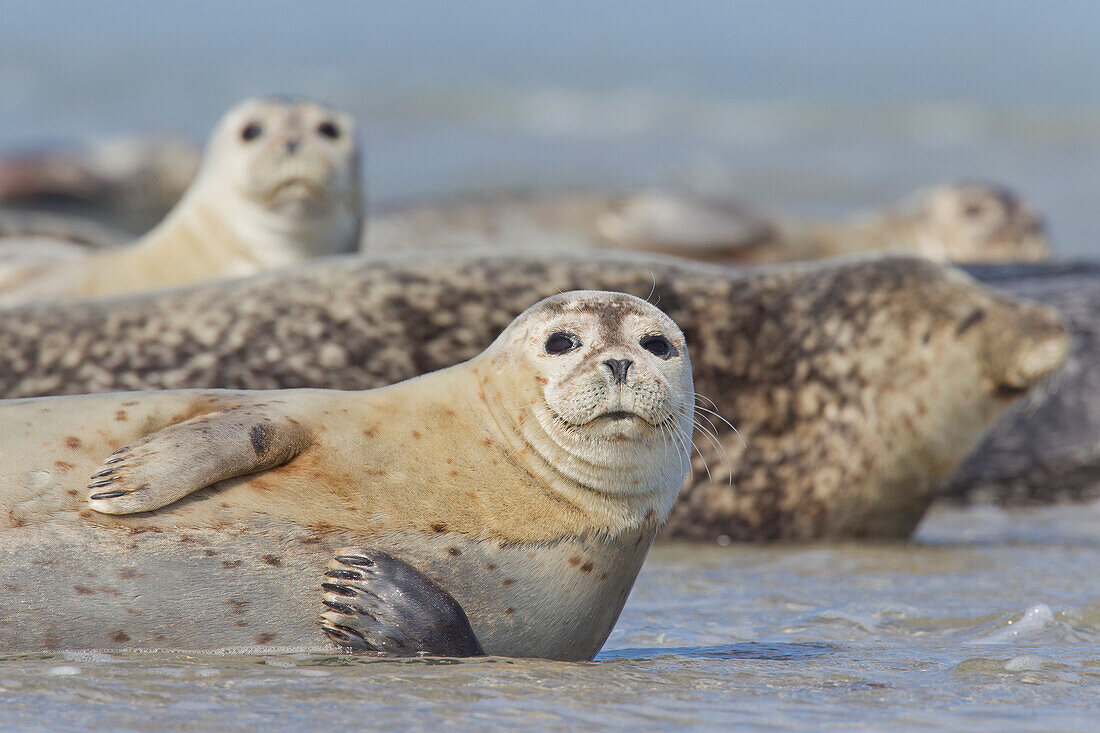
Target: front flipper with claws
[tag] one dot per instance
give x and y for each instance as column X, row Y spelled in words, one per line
column 180, row 459
column 380, row 604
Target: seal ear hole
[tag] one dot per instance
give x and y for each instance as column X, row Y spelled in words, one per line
column 251, row 131
column 561, row 342
column 328, row 129
column 658, row 345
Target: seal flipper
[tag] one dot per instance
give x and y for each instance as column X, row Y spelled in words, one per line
column 378, row 603
column 180, row 459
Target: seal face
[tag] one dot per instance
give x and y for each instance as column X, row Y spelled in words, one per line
column 279, row 182
column 524, row 485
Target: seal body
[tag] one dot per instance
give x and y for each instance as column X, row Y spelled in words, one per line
column 279, row 182
column 963, row 223
column 857, row 385
column 527, row 482
column 1047, row 448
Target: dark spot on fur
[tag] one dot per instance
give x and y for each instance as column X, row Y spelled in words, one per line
column 452, row 473
column 261, row 436
column 83, row 590
column 73, row 492
column 370, row 431
column 230, row 564
column 210, row 553
column 454, row 551
column 971, row 320
column 508, row 581
column 16, row 521
column 63, row 466
column 120, row 637
column 509, row 611
column 10, row 587
column 491, row 566
column 120, row 415
column 273, row 560
column 51, row 640
column 131, row 403
column 438, row 527
column 603, row 576
column 240, row 624
column 487, row 443
column 73, row 442
column 237, row 606
column 127, row 573
column 587, row 567
column 264, row 638
column 186, row 538
column 416, row 434
column 575, row 560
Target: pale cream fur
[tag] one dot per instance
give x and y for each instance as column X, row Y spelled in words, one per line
column 291, row 191
column 475, row 449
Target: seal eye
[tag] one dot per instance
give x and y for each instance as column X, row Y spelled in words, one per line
column 561, row 342
column 657, row 345
column 329, row 130
column 251, row 131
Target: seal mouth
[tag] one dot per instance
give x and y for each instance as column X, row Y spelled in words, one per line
column 612, row 417
column 619, row 415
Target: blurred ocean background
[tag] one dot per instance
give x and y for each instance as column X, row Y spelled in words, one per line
column 817, row 108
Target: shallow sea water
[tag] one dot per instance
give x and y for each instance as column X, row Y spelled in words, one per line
column 990, row 620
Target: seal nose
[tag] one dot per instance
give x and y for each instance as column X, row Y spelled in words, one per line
column 292, row 144
column 618, row 369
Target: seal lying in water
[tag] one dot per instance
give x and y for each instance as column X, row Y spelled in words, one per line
column 963, row 223
column 527, row 483
column 1047, row 448
column 280, row 182
column 857, row 385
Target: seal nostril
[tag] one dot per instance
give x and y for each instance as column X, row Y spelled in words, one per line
column 292, row 145
column 618, row 368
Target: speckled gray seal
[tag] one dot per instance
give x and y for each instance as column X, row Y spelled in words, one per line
column 527, row 482
column 953, row 222
column 857, row 385
column 1046, row 448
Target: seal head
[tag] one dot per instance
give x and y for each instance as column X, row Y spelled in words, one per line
column 294, row 164
column 597, row 395
column 976, row 222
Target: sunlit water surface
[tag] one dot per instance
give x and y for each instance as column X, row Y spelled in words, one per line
column 990, row 620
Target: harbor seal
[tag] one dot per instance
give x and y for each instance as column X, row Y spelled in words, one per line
column 280, row 182
column 956, row 222
column 857, row 385
column 1047, row 448
column 528, row 483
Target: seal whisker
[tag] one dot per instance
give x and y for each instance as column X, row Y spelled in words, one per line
column 724, row 420
column 713, row 438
